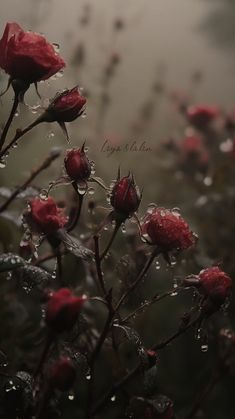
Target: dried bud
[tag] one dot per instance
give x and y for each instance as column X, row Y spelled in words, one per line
column 201, row 116
column 125, row 196
column 215, row 284
column 62, row 310
column 44, row 216
column 167, row 230
column 77, row 165
column 62, row 374
column 65, row 107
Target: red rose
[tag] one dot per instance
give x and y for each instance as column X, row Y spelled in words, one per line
column 62, row 374
column 77, row 165
column 45, row 216
column 62, row 310
column 201, row 116
column 215, row 283
column 125, row 196
column 27, row 56
column 66, row 106
column 167, row 230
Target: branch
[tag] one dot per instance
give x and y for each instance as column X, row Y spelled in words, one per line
column 34, row 173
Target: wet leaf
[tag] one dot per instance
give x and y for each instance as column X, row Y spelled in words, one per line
column 74, row 246
column 9, row 262
column 31, row 277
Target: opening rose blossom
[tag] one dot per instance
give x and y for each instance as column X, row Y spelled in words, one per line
column 215, row 284
column 27, row 56
column 62, row 310
column 45, row 216
column 66, row 106
column 62, row 374
column 167, row 230
column 125, row 196
column 77, row 165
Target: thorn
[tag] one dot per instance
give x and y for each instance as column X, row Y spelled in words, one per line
column 119, row 173
column 36, row 88
column 64, row 129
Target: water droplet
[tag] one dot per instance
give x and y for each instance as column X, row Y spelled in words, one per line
column 207, row 181
column 157, row 265
column 17, row 113
column 56, row 47
column 71, row 396
column 198, row 334
column 113, row 398
column 50, row 135
column 91, row 191
column 123, row 228
column 88, row 377
column 43, row 194
column 204, row 348
column 2, row 164
column 151, row 208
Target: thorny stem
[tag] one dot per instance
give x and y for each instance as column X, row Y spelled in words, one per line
column 155, row 299
column 117, row 386
column 44, row 354
column 34, row 173
column 59, row 269
column 72, row 224
column 98, row 264
column 9, row 121
column 117, row 226
column 20, row 133
column 110, row 317
column 138, row 279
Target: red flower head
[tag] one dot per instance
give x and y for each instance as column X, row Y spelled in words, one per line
column 27, row 56
column 77, row 165
column 66, row 106
column 62, row 310
column 215, row 284
column 167, row 230
column 201, row 116
column 125, row 196
column 45, row 216
column 62, row 374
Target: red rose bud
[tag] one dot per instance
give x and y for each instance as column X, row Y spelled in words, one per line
column 62, row 374
column 62, row 310
column 167, row 230
column 201, row 116
column 215, row 284
column 125, row 196
column 77, row 165
column 27, row 56
column 45, row 217
column 65, row 107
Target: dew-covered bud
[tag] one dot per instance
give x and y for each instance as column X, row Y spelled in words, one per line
column 77, row 165
column 125, row 196
column 62, row 310
column 167, row 230
column 65, row 107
